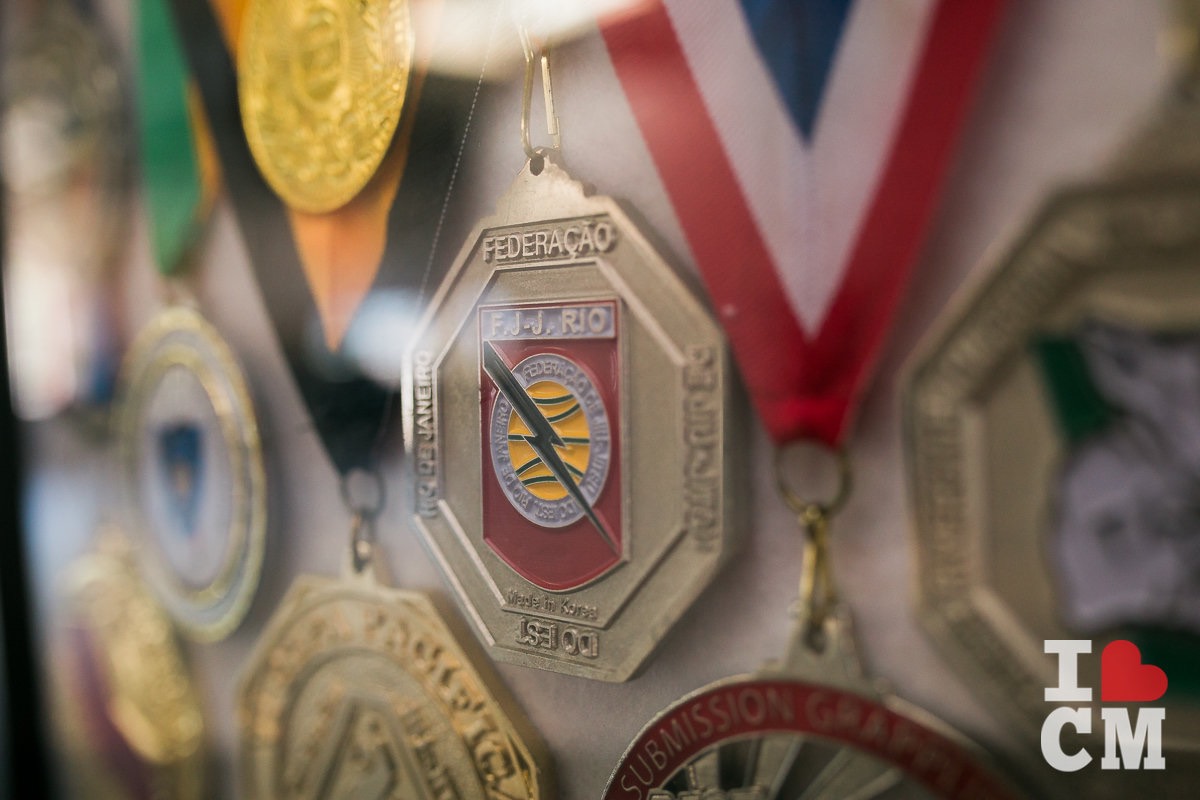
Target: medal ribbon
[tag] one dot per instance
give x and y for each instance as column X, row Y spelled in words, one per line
column 806, row 381
column 349, row 409
column 179, row 168
column 342, row 250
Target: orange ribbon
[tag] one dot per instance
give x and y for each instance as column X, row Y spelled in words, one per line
column 341, row 250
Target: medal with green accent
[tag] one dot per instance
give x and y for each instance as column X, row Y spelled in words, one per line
column 191, row 461
column 1054, row 454
column 567, row 404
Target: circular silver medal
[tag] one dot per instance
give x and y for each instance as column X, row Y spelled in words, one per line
column 192, row 472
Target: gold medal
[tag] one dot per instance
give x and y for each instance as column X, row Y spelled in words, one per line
column 134, row 664
column 322, row 84
column 357, row 689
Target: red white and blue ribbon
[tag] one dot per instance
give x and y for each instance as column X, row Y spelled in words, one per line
column 802, row 144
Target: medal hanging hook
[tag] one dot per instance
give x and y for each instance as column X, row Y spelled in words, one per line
column 818, row 591
column 363, row 494
column 818, row 588
column 535, row 56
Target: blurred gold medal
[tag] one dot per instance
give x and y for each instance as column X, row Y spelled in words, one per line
column 132, row 666
column 322, row 84
column 357, row 689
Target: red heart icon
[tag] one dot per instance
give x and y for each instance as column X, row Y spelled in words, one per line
column 1125, row 679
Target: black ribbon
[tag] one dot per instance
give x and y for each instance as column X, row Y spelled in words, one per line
column 350, row 411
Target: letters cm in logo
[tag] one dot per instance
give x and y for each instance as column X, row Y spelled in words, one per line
column 1124, row 678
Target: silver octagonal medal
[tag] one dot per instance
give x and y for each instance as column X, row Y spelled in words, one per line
column 568, row 414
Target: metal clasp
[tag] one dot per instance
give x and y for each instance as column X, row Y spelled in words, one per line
column 532, row 57
column 818, row 587
column 363, row 494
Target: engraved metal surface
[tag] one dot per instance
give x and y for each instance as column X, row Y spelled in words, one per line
column 357, row 690
column 192, row 472
column 985, row 455
column 814, row 728
column 567, row 404
column 148, row 733
column 322, row 84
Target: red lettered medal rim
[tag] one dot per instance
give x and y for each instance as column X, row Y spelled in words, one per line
column 757, row 706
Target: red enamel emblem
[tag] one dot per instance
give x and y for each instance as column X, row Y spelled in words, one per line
column 550, row 421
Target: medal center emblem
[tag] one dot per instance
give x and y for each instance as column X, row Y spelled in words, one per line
column 550, row 420
column 181, row 449
column 557, row 431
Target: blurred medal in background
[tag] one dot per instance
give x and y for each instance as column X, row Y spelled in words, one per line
column 1054, row 450
column 65, row 131
column 135, row 727
column 192, row 477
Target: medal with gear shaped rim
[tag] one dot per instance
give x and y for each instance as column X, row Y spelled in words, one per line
column 814, row 726
column 567, row 407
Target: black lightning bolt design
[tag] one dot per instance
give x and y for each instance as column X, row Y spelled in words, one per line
column 543, row 438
